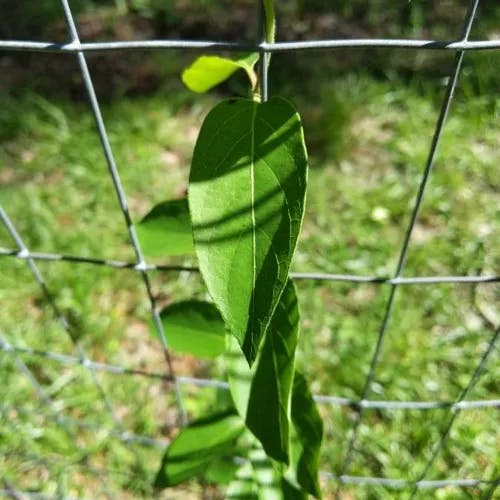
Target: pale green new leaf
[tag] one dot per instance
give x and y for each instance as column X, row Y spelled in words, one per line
column 208, row 71
column 268, row 384
column 194, row 327
column 246, row 198
column 197, row 446
column 166, row 230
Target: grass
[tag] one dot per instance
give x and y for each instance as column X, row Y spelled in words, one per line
column 369, row 142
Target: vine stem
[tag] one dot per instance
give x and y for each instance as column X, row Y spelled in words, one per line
column 267, row 32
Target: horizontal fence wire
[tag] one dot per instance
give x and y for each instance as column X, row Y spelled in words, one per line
column 70, row 423
column 220, row 384
column 313, row 276
column 16, row 494
column 49, row 407
column 77, row 47
column 404, row 483
column 395, row 484
column 346, row 479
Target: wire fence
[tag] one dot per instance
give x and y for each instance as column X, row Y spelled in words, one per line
column 48, row 408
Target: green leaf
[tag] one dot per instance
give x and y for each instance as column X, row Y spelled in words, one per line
column 208, row 71
column 222, row 470
column 197, row 446
column 271, row 386
column 253, row 153
column 291, row 492
column 239, row 375
column 306, row 438
column 269, row 383
column 166, row 230
column 194, row 327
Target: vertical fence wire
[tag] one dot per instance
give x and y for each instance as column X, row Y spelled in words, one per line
column 445, row 107
column 264, row 58
column 122, row 200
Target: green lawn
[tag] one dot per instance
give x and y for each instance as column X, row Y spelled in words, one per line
column 369, row 141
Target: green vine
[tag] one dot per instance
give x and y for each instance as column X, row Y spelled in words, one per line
column 245, row 207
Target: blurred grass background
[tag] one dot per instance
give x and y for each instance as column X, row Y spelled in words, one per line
column 369, row 117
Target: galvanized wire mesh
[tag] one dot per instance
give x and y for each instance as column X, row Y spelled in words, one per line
column 47, row 407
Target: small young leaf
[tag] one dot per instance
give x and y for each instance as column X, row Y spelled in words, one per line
column 306, row 438
column 208, row 71
column 194, row 327
column 166, row 230
column 253, row 153
column 269, row 383
column 197, row 446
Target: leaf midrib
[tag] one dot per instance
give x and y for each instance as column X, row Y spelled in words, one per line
column 254, row 225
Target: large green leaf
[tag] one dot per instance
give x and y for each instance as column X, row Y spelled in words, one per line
column 246, row 198
column 268, row 384
column 197, row 446
column 194, row 327
column 208, row 71
column 166, row 230
column 306, row 438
